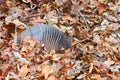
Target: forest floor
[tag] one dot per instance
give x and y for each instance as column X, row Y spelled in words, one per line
column 92, row 26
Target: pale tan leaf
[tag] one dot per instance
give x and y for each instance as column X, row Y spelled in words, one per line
column 91, row 68
column 23, row 71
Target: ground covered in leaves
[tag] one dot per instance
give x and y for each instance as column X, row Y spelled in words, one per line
column 92, row 26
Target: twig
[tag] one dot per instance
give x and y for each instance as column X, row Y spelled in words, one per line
column 15, row 38
column 87, row 26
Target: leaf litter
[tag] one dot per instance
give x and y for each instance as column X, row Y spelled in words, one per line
column 92, row 27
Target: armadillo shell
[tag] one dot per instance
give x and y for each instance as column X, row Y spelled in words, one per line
column 50, row 36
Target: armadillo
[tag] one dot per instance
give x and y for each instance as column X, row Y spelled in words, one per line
column 51, row 37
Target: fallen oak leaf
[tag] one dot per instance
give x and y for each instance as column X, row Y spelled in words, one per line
column 101, row 7
column 7, row 70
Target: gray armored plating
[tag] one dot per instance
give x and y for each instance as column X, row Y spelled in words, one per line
column 50, row 36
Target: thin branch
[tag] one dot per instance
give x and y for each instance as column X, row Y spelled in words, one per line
column 87, row 25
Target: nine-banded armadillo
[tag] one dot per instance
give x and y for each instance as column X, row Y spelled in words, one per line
column 50, row 36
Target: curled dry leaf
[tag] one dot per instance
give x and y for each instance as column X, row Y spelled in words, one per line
column 23, row 71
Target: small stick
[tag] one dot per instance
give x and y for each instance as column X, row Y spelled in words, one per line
column 87, row 26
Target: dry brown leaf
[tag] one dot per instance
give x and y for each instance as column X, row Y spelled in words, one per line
column 2, row 43
column 24, row 55
column 101, row 7
column 23, row 71
column 7, row 70
column 10, row 27
column 113, row 76
column 3, row 67
column 52, row 77
column 68, row 18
